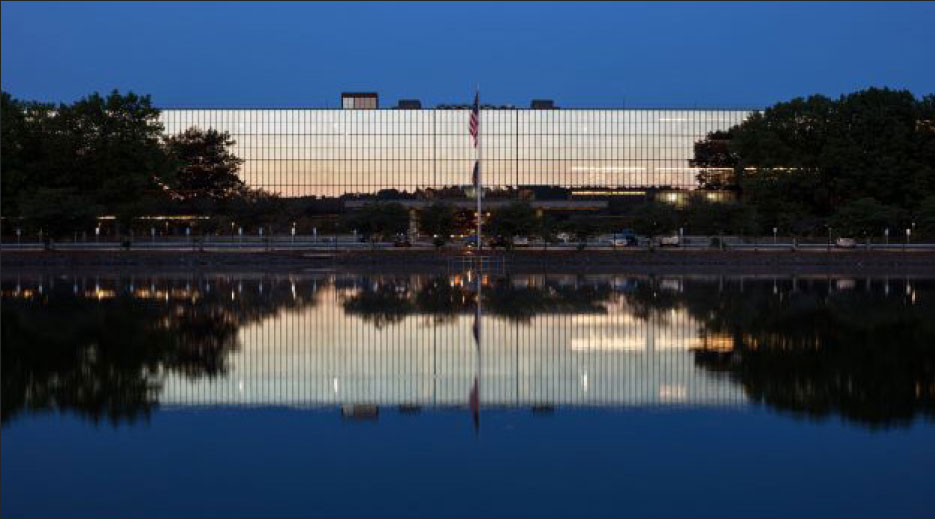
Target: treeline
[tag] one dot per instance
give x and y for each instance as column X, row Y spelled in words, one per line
column 65, row 165
column 854, row 166
column 859, row 164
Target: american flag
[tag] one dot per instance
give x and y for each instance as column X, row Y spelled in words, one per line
column 475, row 118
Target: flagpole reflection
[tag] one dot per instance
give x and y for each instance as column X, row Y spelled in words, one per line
column 474, row 398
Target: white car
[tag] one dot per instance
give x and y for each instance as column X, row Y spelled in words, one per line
column 845, row 243
column 669, row 241
column 520, row 240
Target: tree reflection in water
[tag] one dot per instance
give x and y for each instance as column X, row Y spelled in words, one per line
column 864, row 350
column 388, row 300
column 101, row 352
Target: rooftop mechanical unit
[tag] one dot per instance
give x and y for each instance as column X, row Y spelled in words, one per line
column 543, row 104
column 409, row 104
column 360, row 101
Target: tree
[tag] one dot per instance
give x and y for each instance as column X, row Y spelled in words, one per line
column 111, row 147
column 515, row 219
column 546, row 230
column 715, row 160
column 21, row 148
column 378, row 220
column 58, row 211
column 253, row 207
column 583, row 227
column 742, row 218
column 791, row 200
column 206, row 168
column 876, row 143
column 102, row 151
column 925, row 218
column 865, row 217
column 438, row 220
column 653, row 218
column 704, row 217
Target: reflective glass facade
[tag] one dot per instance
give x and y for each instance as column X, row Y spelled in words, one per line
column 301, row 152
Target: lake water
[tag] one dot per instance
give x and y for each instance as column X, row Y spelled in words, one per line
column 329, row 394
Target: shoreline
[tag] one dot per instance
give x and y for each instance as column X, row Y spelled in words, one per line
column 405, row 261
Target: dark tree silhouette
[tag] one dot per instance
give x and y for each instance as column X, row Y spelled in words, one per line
column 207, row 168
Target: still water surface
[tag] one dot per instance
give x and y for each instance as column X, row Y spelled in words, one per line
column 550, row 395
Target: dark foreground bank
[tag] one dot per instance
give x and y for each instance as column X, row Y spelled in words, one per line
column 886, row 262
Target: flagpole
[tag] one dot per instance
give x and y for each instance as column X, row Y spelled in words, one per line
column 480, row 185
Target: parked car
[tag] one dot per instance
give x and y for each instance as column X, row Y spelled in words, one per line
column 669, row 241
column 624, row 239
column 563, row 237
column 520, row 241
column 402, row 240
column 498, row 241
column 845, row 243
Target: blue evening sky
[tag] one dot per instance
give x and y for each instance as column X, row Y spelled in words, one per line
column 580, row 54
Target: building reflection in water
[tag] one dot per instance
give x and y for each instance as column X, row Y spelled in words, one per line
column 114, row 348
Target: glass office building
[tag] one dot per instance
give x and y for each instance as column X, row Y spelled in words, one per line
column 331, row 152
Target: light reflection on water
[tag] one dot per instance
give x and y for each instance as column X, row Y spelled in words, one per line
column 114, row 348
